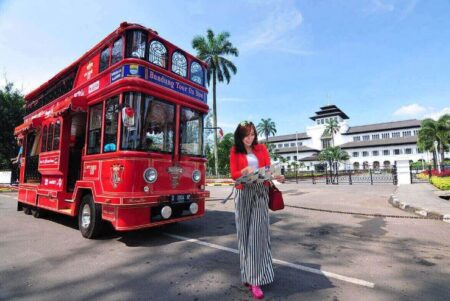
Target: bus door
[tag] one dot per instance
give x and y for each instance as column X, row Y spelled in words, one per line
column 31, row 150
column 77, row 138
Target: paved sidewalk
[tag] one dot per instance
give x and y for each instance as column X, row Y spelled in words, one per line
column 422, row 199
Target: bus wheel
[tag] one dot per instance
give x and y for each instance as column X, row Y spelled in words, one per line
column 37, row 213
column 27, row 210
column 90, row 217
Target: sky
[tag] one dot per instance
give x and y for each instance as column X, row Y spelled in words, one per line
column 377, row 60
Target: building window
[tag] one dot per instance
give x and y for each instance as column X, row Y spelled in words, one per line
column 397, row 151
column 396, row 135
column 365, row 137
column 321, row 121
column 318, row 121
column 375, row 153
column 376, row 137
column 385, row 136
column 280, row 145
column 286, row 145
column 408, row 151
column 179, row 64
column 111, row 125
column 197, row 73
column 116, row 53
column 95, row 127
column 365, row 154
column 355, row 154
column 288, row 158
column 300, row 143
column 419, row 151
column 406, row 133
column 357, row 138
column 295, row 158
column 326, row 143
column 157, row 54
column 416, row 132
column 293, row 144
column 104, row 59
column 386, row 152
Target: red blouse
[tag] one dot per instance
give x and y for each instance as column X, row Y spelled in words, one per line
column 238, row 161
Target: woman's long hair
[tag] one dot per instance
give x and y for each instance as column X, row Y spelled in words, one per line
column 243, row 129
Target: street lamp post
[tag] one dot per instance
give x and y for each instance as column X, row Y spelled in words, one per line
column 296, row 165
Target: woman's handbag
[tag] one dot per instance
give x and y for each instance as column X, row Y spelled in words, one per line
column 275, row 198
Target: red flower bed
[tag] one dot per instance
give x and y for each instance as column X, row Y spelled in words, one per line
column 436, row 173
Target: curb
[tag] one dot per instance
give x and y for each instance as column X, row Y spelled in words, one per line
column 394, row 201
column 219, row 184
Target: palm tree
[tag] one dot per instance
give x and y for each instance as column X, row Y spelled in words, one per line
column 432, row 131
column 333, row 155
column 332, row 127
column 212, row 50
column 266, row 127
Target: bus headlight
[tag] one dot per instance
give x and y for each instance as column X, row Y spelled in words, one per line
column 193, row 208
column 196, row 176
column 150, row 175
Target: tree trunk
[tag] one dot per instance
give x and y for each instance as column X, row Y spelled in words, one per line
column 216, row 157
column 434, row 159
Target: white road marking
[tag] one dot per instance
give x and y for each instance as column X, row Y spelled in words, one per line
column 280, row 262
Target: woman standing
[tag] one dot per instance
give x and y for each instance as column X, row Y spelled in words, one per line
column 252, row 214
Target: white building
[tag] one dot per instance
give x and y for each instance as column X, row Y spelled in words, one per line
column 373, row 145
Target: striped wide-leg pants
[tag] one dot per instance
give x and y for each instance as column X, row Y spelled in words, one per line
column 252, row 225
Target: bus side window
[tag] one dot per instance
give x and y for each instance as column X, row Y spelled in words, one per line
column 104, row 59
column 44, row 140
column 111, row 124
column 117, row 55
column 56, row 135
column 95, row 127
column 50, row 137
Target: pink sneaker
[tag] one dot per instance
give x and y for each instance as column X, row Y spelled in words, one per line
column 257, row 292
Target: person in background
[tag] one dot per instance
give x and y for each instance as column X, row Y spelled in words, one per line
column 16, row 161
column 251, row 209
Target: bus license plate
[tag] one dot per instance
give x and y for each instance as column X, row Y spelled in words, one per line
column 180, row 198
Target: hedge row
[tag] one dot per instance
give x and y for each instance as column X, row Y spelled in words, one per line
column 442, row 183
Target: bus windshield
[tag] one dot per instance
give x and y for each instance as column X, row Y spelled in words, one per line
column 148, row 123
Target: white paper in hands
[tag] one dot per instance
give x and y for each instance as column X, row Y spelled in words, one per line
column 260, row 175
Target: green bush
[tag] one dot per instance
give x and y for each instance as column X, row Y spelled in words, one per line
column 442, row 183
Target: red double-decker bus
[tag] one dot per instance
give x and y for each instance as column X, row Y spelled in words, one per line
column 118, row 136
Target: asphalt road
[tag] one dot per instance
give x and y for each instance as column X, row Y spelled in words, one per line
column 318, row 255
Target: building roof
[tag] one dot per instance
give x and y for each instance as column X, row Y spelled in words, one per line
column 290, row 137
column 293, row 149
column 381, row 142
column 313, row 157
column 327, row 111
column 404, row 124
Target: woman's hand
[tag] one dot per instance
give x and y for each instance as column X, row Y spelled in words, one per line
column 280, row 178
column 247, row 170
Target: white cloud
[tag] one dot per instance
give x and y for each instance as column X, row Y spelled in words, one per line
column 436, row 114
column 278, row 30
column 376, row 6
column 410, row 110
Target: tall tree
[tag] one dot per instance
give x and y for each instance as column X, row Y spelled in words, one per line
column 332, row 127
column 224, row 148
column 266, row 127
column 432, row 131
column 213, row 49
column 11, row 110
column 333, row 155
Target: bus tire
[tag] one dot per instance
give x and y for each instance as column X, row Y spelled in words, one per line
column 37, row 212
column 90, row 217
column 27, row 210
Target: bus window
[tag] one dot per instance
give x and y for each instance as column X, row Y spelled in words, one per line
column 116, row 54
column 50, row 137
column 56, row 135
column 154, row 124
column 136, row 44
column 44, row 140
column 179, row 64
column 111, row 124
column 104, row 59
column 157, row 54
column 191, row 139
column 197, row 73
column 95, row 126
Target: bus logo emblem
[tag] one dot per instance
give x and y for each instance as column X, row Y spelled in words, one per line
column 175, row 173
column 116, row 174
